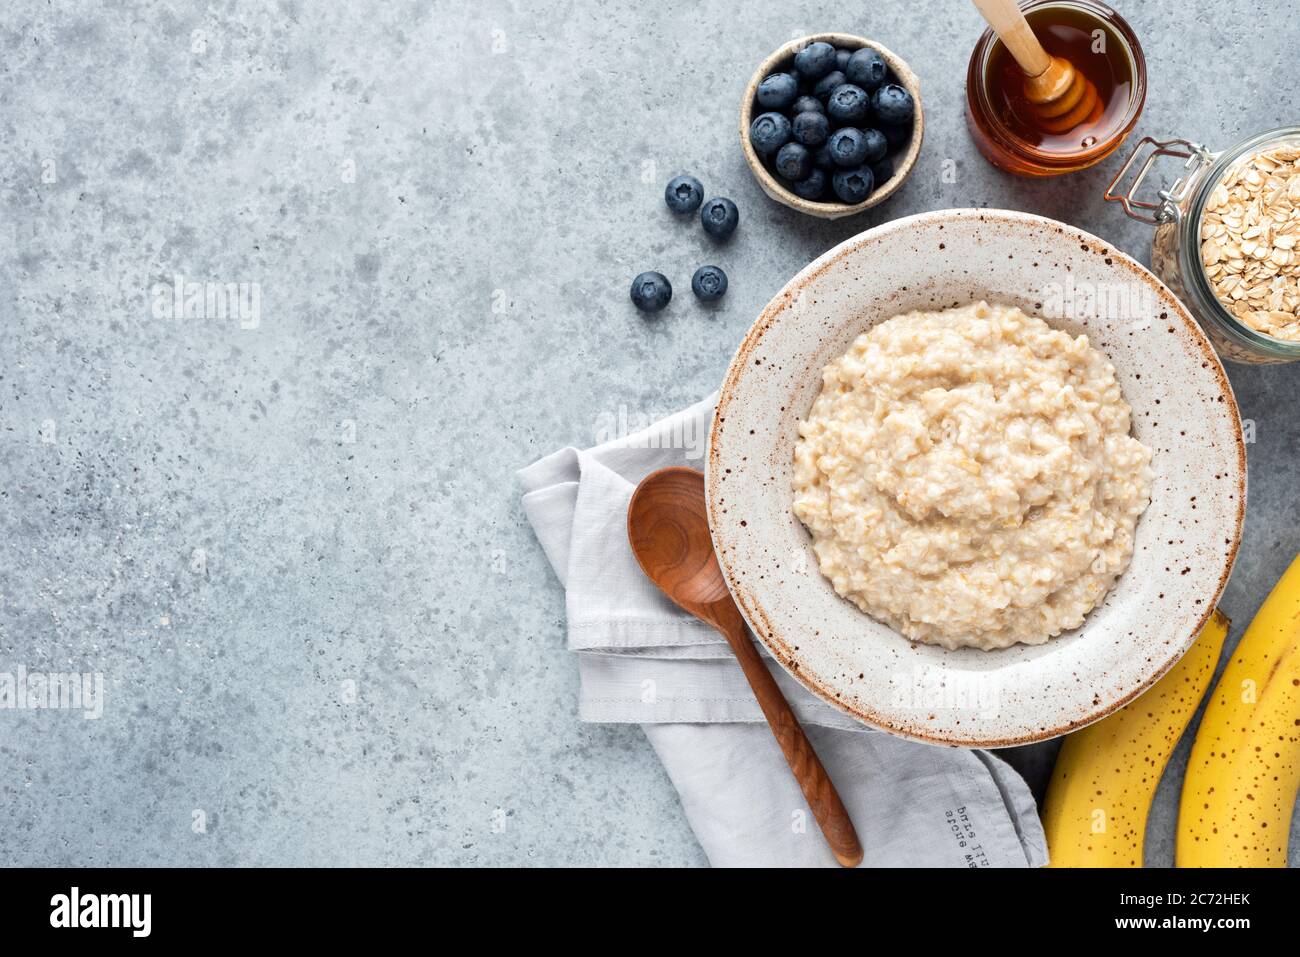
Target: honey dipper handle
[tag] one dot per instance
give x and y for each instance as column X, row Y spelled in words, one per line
column 1012, row 28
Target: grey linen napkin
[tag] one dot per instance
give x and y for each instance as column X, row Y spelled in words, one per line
column 644, row 661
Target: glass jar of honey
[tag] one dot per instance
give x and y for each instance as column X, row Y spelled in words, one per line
column 1227, row 237
column 1101, row 45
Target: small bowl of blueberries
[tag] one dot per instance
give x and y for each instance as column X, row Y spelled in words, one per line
column 831, row 124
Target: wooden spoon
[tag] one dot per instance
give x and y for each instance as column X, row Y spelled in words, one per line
column 1059, row 94
column 668, row 527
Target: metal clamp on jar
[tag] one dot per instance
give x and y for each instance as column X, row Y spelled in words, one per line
column 1221, row 242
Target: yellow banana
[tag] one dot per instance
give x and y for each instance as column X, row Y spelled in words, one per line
column 1209, row 833
column 1267, row 775
column 1106, row 774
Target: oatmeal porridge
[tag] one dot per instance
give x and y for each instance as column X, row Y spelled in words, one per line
column 968, row 477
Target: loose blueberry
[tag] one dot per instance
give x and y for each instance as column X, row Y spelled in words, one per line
column 811, row 129
column 719, row 217
column 877, row 145
column 769, row 132
column 848, row 147
column 828, row 83
column 794, row 162
column 815, row 60
column 896, row 136
column 893, row 104
column 651, row 291
column 684, row 194
column 807, row 104
column 842, row 58
column 867, row 69
column 777, row 91
column 882, row 171
column 853, row 185
column 814, row 187
column 848, row 103
column 709, row 283
column 822, row 159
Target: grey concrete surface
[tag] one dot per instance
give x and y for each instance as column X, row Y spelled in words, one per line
column 292, row 545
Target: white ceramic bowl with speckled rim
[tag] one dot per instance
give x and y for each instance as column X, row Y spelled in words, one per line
column 1183, row 408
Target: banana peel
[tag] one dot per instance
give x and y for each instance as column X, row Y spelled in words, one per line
column 1106, row 774
column 1244, row 771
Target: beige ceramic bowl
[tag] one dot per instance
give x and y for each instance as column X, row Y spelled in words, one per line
column 1183, row 408
column 902, row 167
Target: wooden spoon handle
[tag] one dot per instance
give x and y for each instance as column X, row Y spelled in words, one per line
column 1010, row 25
column 815, row 783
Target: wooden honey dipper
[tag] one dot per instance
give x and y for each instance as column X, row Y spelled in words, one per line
column 1059, row 94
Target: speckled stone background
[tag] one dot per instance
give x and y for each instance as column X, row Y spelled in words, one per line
column 294, row 547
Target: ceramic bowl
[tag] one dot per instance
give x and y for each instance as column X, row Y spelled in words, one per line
column 903, row 163
column 1183, row 408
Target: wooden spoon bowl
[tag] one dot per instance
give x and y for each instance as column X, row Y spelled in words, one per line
column 668, row 527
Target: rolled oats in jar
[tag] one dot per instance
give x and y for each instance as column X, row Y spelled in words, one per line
column 1249, row 231
column 1227, row 239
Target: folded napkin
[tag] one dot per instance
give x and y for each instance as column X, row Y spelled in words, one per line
column 643, row 660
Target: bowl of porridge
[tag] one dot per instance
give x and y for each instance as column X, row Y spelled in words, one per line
column 976, row 478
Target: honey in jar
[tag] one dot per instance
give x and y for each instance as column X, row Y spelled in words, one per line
column 1015, row 137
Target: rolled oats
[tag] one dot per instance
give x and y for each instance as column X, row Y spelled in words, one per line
column 1249, row 233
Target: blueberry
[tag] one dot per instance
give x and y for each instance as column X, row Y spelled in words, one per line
column 853, row 185
column 848, row 103
column 769, row 132
column 893, row 104
column 882, row 171
column 822, row 159
column 842, row 58
column 651, row 291
column 811, row 129
column 719, row 217
column 828, row 83
column 815, row 60
column 709, row 283
column 814, row 187
column 867, row 69
column 848, row 147
column 777, row 91
column 684, row 194
column 877, row 145
column 794, row 162
column 896, row 136
column 807, row 104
